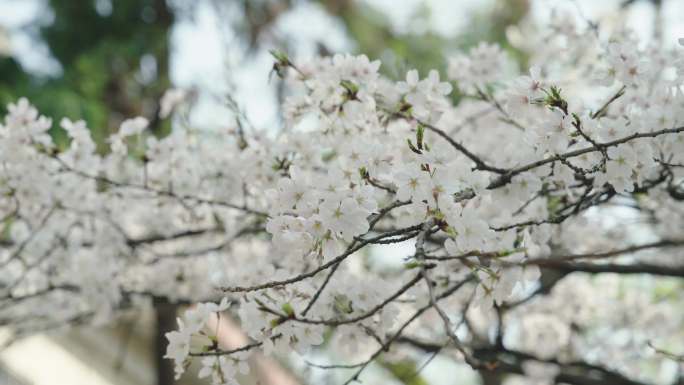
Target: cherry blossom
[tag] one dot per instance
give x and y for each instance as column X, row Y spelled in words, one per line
column 506, row 229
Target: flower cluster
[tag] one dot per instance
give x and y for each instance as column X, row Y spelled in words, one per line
column 194, row 336
column 497, row 205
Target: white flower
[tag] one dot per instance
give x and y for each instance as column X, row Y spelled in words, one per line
column 410, row 86
column 171, row 99
column 252, row 319
column 223, row 370
column 349, row 338
column 179, row 345
column 346, row 218
column 613, row 129
column 444, row 182
column 484, row 64
column 432, row 88
column 471, row 229
column 290, row 234
column 412, row 183
column 552, row 132
column 605, row 75
column 306, row 336
column 134, row 126
column 629, row 66
column 295, row 194
column 544, row 334
column 365, row 197
column 425, row 96
column 540, row 373
column 622, row 160
column 334, row 185
column 523, row 91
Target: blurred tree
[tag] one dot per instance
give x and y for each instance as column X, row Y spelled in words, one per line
column 114, row 64
column 423, row 47
column 375, row 35
column 114, row 58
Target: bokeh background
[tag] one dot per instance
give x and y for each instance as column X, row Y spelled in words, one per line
column 108, row 60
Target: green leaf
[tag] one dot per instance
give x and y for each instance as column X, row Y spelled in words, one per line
column 420, row 132
column 343, row 304
column 405, row 371
column 288, row 309
column 349, row 86
column 280, row 56
column 412, row 147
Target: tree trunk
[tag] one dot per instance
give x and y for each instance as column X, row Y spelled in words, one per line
column 166, row 322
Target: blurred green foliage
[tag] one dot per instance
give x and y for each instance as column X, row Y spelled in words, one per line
column 100, row 51
column 406, row 371
column 421, row 48
column 101, row 48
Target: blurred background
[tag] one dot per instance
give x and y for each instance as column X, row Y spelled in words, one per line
column 108, row 60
